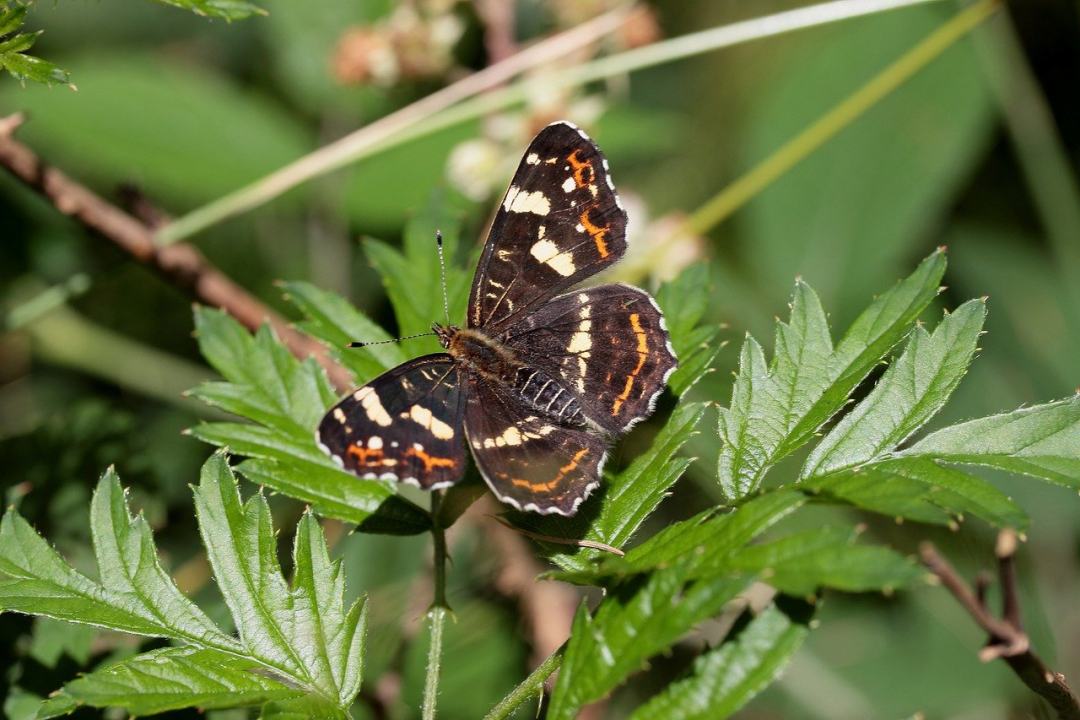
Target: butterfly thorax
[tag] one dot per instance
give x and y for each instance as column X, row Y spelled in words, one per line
column 496, row 362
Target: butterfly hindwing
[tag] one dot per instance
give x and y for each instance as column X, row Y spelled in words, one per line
column 404, row 425
column 608, row 344
column 559, row 223
column 527, row 460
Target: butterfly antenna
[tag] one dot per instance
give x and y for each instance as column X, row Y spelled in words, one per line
column 442, row 275
column 362, row 343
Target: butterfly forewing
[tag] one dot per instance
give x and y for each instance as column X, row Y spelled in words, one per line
column 608, row 344
column 559, row 223
column 404, row 425
column 538, row 383
column 529, row 460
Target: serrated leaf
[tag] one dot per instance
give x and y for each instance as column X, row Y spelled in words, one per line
column 701, row 544
column 296, row 639
column 371, row 504
column 134, row 594
column 775, row 411
column 303, row 708
column 1041, row 441
column 636, row 620
column 285, row 398
column 223, row 9
column 411, row 275
column 920, row 489
column 801, row 563
column 724, row 679
column 627, row 498
column 683, row 302
column 175, row 678
column 910, row 392
column 337, row 322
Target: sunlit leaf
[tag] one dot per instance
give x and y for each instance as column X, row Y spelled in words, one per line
column 727, row 677
column 636, row 620
column 285, row 398
column 776, row 410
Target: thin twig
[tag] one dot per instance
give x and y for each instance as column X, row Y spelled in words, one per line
column 343, row 151
column 1007, row 639
column 434, row 112
column 182, row 265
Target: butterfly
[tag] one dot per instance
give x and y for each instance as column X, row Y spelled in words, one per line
column 543, row 377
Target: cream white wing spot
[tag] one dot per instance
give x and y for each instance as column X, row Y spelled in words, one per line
column 569, row 185
column 375, row 442
column 423, row 417
column 369, row 400
column 339, row 415
column 532, row 159
column 523, row 201
column 548, row 253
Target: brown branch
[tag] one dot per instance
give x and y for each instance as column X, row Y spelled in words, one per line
column 180, row 264
column 1007, row 639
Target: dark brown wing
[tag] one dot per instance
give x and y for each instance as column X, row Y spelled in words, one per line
column 608, row 344
column 559, row 223
column 526, row 460
column 404, row 425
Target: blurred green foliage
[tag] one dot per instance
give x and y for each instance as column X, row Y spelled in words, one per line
column 189, row 109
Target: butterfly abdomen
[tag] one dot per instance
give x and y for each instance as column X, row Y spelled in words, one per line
column 546, row 395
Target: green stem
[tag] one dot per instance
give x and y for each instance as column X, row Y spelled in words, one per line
column 434, row 113
column 738, row 193
column 66, row 338
column 47, row 300
column 437, row 613
column 529, row 688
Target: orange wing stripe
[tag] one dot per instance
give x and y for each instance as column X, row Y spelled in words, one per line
column 430, row 461
column 597, row 233
column 579, row 169
column 551, row 484
column 643, row 353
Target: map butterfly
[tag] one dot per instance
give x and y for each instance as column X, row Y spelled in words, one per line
column 538, row 384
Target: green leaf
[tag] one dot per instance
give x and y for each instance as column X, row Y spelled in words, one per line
column 295, row 640
column 849, row 214
column 920, row 489
column 128, row 102
column 684, row 301
column 372, row 505
column 13, row 57
column 301, row 632
column 286, row 398
column 725, row 679
column 636, row 620
column 291, row 395
column 1041, row 441
column 801, row 563
column 224, row 9
column 304, row 708
column 418, row 304
column 627, row 498
column 700, row 545
column 133, row 595
column 174, row 678
column 774, row 412
column 910, row 392
column 336, row 322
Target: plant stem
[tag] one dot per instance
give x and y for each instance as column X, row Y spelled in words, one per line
column 66, row 338
column 434, row 112
column 738, row 193
column 437, row 613
column 529, row 688
column 370, row 138
column 47, row 300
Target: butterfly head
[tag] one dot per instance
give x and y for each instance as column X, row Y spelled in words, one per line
column 445, row 333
